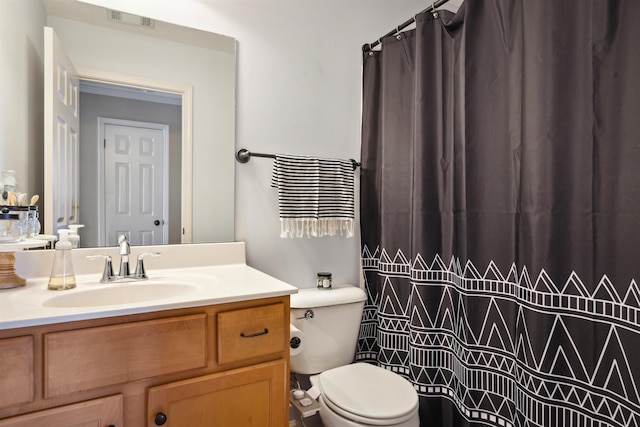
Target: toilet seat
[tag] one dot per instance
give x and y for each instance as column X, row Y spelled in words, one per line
column 368, row 394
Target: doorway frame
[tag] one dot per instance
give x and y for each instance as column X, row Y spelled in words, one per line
column 186, row 92
column 102, row 220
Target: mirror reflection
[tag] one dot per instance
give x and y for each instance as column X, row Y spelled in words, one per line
column 151, row 116
column 142, row 81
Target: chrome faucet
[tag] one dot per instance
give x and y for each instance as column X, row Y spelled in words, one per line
column 125, row 250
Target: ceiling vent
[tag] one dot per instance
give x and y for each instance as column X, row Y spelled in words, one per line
column 130, row 19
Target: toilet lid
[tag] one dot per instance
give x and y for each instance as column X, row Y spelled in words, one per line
column 361, row 390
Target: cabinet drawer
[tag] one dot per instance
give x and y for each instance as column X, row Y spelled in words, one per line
column 99, row 412
column 84, row 359
column 16, row 370
column 250, row 332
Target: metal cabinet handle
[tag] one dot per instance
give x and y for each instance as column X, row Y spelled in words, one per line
column 256, row 334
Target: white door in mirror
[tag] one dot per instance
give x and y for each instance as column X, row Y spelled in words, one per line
column 135, row 166
column 61, row 136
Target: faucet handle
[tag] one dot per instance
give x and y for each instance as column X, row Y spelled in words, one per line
column 125, row 248
column 140, row 273
column 108, row 266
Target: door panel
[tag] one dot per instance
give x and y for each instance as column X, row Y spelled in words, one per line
column 245, row 397
column 135, row 190
column 61, row 136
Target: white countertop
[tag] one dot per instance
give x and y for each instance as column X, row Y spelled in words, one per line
column 212, row 283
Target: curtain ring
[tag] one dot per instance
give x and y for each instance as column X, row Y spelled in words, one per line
column 434, row 12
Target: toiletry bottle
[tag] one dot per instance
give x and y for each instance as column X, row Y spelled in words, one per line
column 62, row 276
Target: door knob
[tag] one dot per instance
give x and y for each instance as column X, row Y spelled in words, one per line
column 160, row 419
column 157, row 222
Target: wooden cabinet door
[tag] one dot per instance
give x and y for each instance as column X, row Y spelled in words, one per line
column 254, row 396
column 16, row 370
column 102, row 412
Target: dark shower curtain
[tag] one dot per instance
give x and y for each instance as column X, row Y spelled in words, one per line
column 500, row 212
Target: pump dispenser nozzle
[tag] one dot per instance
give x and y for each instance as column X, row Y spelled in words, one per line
column 74, row 237
column 62, row 276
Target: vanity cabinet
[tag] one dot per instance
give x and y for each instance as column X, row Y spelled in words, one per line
column 224, row 364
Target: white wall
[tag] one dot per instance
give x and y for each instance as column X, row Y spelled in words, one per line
column 21, row 88
column 299, row 92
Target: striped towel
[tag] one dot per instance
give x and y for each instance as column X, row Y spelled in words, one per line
column 315, row 196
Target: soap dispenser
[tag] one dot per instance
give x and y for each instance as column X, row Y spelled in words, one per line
column 62, row 276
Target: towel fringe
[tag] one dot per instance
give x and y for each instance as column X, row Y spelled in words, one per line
column 311, row 227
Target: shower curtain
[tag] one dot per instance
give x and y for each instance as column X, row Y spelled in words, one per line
column 500, row 212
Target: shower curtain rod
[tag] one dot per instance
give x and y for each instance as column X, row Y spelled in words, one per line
column 243, row 156
column 436, row 4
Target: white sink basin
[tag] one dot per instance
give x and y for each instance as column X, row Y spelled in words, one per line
column 89, row 294
column 128, row 293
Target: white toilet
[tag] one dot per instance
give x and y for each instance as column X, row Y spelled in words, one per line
column 357, row 394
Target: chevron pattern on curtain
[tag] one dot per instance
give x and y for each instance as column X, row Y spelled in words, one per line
column 504, row 348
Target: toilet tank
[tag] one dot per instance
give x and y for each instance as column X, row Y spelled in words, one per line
column 331, row 335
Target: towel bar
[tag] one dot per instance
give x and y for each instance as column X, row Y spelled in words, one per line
column 243, row 156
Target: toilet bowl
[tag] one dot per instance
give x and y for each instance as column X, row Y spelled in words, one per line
column 365, row 395
column 350, row 394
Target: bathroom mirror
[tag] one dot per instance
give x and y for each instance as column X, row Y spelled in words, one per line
column 110, row 47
